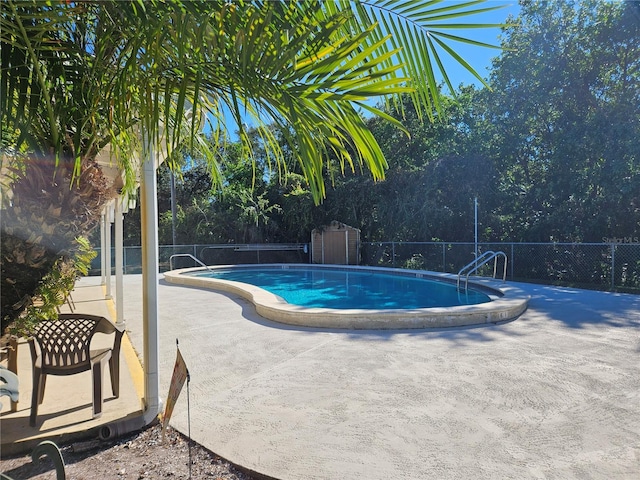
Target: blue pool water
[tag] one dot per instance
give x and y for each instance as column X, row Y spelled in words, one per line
column 343, row 289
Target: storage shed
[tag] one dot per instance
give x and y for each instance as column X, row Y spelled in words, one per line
column 336, row 243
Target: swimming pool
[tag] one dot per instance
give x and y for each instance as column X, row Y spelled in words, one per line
column 488, row 302
column 348, row 289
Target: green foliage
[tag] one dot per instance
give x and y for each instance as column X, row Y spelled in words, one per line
column 98, row 73
column 83, row 256
column 551, row 151
column 564, row 116
column 416, row 262
column 434, row 175
column 294, row 220
column 54, row 288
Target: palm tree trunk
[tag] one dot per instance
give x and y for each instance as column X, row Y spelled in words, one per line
column 46, row 212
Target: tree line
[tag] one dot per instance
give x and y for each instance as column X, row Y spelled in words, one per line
column 550, row 149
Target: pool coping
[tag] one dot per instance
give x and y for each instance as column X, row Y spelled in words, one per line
column 508, row 302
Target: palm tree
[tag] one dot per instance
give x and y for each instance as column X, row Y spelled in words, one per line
column 83, row 77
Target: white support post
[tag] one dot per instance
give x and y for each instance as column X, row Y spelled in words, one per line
column 119, row 263
column 103, row 250
column 150, row 264
column 107, row 247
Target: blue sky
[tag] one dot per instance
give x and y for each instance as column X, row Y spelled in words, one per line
column 480, row 58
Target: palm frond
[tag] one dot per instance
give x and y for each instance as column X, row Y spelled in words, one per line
column 413, row 25
column 84, row 75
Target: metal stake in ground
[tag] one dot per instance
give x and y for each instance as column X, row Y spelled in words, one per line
column 180, row 374
column 189, row 422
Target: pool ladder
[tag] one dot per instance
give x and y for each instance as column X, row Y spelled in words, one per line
column 186, row 255
column 475, row 265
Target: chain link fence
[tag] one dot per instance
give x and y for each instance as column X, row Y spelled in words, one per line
column 602, row 266
column 235, row 254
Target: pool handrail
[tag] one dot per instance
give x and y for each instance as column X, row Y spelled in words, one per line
column 198, row 261
column 483, row 259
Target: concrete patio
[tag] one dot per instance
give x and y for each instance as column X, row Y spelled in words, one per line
column 65, row 414
column 553, row 394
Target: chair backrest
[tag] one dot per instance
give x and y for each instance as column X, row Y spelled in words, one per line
column 65, row 342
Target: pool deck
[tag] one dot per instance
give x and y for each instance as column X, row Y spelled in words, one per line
column 553, row 394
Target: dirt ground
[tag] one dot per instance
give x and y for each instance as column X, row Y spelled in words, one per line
column 136, row 456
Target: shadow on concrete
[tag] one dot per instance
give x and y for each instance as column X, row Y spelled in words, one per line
column 578, row 308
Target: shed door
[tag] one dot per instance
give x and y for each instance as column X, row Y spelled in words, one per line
column 335, row 246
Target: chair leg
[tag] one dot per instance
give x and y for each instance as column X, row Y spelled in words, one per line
column 41, row 387
column 35, row 396
column 96, row 371
column 114, row 370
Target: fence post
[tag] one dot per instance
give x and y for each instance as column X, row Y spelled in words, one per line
column 512, row 260
column 613, row 266
column 393, row 254
column 444, row 257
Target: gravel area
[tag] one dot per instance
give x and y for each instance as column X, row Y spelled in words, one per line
column 137, row 456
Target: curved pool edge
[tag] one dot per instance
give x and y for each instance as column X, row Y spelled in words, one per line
column 508, row 302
